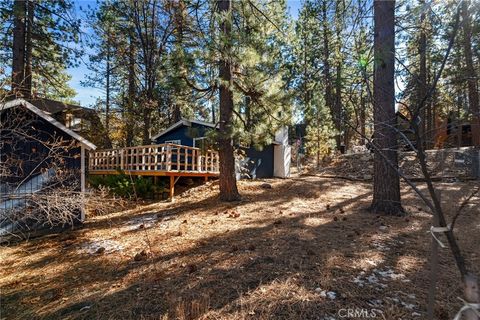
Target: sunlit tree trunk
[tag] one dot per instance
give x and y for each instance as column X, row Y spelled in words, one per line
column 130, row 125
column 228, row 182
column 472, row 80
column 28, row 53
column 18, row 52
column 422, row 77
column 386, row 188
column 329, row 102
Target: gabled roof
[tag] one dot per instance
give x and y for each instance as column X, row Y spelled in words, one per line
column 44, row 115
column 183, row 122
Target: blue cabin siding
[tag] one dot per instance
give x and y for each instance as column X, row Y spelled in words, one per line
column 185, row 134
column 257, row 164
column 27, row 156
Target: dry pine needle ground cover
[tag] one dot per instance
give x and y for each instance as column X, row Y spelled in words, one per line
column 302, row 249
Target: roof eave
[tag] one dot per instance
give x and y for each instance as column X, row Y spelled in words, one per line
column 87, row 144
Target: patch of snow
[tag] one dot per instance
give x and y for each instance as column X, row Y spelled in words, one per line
column 375, row 303
column 92, row 247
column 331, row 295
column 146, row 221
column 377, row 278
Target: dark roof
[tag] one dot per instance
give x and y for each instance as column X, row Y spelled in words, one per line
column 54, row 107
column 183, row 122
column 47, row 117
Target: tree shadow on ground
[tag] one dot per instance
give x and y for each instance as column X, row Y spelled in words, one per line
column 266, row 267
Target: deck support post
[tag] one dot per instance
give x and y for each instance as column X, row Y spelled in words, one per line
column 172, row 187
column 205, row 178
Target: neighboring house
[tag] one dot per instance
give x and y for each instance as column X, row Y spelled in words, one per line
column 272, row 161
column 81, row 120
column 38, row 155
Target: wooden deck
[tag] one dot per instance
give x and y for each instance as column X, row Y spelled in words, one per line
column 171, row 160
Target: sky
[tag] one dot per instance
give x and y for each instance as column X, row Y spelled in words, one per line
column 86, row 96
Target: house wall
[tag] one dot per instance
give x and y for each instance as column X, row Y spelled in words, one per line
column 257, row 164
column 184, row 134
column 28, row 153
column 30, row 166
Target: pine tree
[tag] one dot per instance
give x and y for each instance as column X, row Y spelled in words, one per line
column 37, row 46
column 228, row 184
column 386, row 185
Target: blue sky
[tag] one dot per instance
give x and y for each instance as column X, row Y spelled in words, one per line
column 87, row 96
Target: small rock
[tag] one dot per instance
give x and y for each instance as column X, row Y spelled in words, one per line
column 191, row 268
column 278, row 222
column 100, row 250
column 266, row 186
column 318, row 290
column 383, row 228
column 141, row 226
column 141, row 256
column 184, row 221
column 234, row 214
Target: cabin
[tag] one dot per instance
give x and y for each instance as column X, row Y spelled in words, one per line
column 192, row 133
column 81, row 120
column 272, row 160
column 40, row 158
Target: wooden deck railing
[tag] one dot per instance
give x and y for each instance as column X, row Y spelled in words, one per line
column 154, row 158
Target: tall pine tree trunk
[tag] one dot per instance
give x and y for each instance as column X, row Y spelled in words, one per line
column 422, row 78
column 471, row 74
column 18, row 63
column 362, row 116
column 130, row 123
column 339, row 121
column 228, row 182
column 108, row 142
column 329, row 102
column 28, row 46
column 179, row 94
column 386, row 186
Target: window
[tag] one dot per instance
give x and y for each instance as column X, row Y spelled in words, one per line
column 174, row 141
column 198, row 143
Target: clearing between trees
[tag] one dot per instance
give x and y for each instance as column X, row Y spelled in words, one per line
column 301, row 248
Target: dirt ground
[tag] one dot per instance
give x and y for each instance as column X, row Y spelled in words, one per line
column 306, row 248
